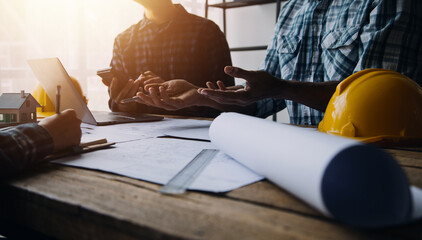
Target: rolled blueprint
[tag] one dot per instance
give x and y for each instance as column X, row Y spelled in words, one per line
column 353, row 182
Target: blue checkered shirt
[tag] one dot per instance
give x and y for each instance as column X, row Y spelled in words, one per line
column 22, row 147
column 328, row 40
column 188, row 47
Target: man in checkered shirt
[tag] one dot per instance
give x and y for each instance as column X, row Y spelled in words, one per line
column 317, row 44
column 169, row 43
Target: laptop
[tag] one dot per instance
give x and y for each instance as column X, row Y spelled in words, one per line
column 50, row 73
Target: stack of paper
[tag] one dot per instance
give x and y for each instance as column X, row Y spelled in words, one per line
column 138, row 153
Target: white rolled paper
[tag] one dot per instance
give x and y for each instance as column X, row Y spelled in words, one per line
column 354, row 182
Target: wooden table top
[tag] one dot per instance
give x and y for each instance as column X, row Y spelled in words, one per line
column 72, row 203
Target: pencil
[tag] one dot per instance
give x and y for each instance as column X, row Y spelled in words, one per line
column 58, row 96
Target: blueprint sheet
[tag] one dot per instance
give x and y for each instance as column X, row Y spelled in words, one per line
column 139, row 153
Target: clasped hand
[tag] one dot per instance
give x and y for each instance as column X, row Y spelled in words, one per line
column 178, row 93
column 121, row 89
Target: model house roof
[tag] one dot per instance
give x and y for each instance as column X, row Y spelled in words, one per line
column 15, row 100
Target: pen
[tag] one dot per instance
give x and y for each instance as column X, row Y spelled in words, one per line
column 128, row 100
column 58, row 96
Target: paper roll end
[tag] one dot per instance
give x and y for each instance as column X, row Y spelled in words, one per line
column 365, row 187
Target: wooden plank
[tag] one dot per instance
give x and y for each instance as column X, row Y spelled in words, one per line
column 414, row 175
column 268, row 194
column 99, row 210
column 71, row 203
column 407, row 157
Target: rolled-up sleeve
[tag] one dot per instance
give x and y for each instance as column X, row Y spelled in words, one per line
column 22, row 147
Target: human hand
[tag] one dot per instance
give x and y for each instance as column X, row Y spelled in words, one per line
column 120, row 89
column 149, row 77
column 64, row 128
column 171, row 95
column 106, row 82
column 259, row 85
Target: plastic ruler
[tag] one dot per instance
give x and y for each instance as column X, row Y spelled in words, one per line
column 184, row 178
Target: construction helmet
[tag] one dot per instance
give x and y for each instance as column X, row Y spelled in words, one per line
column 375, row 105
column 47, row 107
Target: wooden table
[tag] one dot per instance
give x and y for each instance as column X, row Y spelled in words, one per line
column 72, row 203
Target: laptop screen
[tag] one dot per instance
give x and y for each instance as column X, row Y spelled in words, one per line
column 50, row 73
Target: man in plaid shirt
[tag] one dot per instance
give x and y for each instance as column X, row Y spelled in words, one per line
column 317, row 44
column 168, row 43
column 26, row 145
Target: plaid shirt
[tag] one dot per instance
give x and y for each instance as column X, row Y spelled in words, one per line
column 328, row 40
column 188, row 47
column 22, row 146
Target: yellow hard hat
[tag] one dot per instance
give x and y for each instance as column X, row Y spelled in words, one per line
column 47, row 107
column 375, row 105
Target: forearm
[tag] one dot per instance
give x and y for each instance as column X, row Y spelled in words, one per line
column 314, row 95
column 204, row 101
column 23, row 146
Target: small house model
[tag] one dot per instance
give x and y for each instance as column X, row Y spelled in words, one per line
column 18, row 108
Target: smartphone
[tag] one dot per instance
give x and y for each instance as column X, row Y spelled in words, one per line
column 106, row 74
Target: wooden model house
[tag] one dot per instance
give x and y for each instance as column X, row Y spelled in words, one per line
column 18, row 108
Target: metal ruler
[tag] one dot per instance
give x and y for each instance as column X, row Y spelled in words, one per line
column 183, row 179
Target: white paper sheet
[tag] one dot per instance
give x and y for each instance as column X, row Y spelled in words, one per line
column 158, row 160
column 417, row 202
column 343, row 178
column 187, row 128
column 196, row 130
